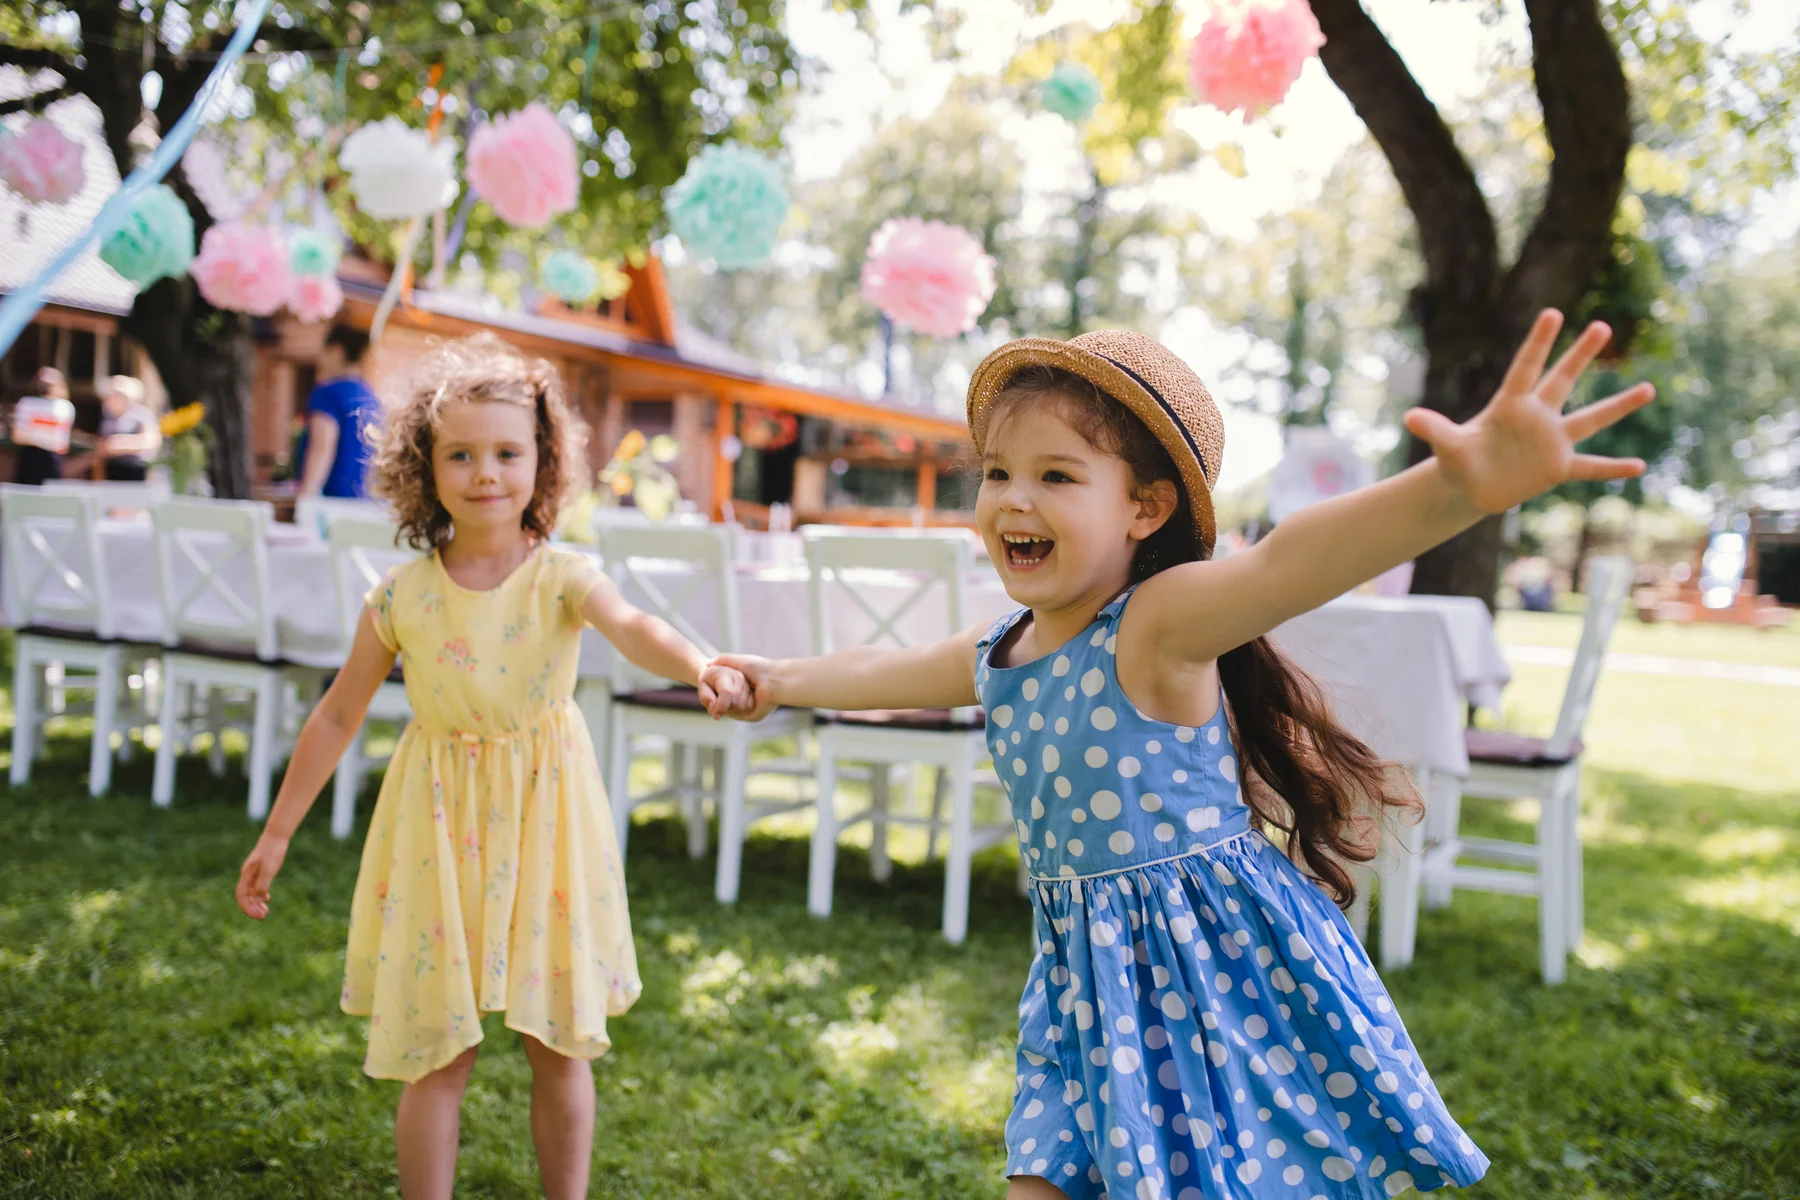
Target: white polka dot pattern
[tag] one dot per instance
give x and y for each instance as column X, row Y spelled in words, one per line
column 1231, row 1036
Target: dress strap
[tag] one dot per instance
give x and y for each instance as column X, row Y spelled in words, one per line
column 998, row 630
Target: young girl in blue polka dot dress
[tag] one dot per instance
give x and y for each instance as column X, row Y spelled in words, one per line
column 1198, row 1021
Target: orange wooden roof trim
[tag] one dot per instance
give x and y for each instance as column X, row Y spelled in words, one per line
column 721, row 384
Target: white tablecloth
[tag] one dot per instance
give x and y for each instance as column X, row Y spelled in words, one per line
column 1402, row 671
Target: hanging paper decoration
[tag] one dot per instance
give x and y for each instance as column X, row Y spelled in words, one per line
column 729, row 206
column 1248, row 53
column 156, row 240
column 311, row 253
column 243, row 267
column 928, row 276
column 204, row 166
column 316, row 297
column 523, row 164
column 396, row 171
column 569, row 277
column 1072, row 92
column 42, row 163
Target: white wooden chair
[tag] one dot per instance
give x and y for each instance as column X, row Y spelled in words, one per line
column 663, row 569
column 60, row 602
column 362, row 552
column 315, row 513
column 845, row 567
column 115, row 495
column 1508, row 766
column 219, row 639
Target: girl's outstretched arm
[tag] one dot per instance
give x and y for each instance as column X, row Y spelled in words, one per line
column 653, row 645
column 1521, row 444
column 328, row 730
column 936, row 676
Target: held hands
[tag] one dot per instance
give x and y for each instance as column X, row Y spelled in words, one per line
column 1523, row 443
column 724, row 690
column 759, row 697
column 258, row 873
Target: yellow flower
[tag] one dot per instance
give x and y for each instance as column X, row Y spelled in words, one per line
column 180, row 420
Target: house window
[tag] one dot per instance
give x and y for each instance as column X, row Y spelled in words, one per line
column 650, row 417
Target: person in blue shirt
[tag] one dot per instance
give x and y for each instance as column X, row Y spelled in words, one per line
column 340, row 412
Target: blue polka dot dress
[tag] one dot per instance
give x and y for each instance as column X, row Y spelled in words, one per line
column 1199, row 1021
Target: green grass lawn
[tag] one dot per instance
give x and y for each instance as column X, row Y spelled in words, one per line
column 154, row 1043
column 1725, row 643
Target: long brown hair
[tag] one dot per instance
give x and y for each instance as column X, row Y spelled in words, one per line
column 1308, row 776
column 476, row 368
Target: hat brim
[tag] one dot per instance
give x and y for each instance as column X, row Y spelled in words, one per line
column 998, row 368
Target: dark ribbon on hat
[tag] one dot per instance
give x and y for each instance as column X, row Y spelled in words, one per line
column 1155, row 395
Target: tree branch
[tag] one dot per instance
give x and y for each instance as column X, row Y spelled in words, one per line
column 38, row 58
column 1587, row 117
column 37, row 100
column 1456, row 230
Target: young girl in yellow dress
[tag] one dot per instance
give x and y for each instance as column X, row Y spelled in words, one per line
column 491, row 878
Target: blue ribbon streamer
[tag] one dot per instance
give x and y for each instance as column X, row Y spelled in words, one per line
column 17, row 310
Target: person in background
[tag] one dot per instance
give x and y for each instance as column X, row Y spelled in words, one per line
column 340, row 411
column 129, row 434
column 41, row 425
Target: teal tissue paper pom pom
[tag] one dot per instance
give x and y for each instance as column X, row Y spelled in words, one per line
column 311, row 253
column 570, row 277
column 729, row 206
column 1072, row 92
column 155, row 240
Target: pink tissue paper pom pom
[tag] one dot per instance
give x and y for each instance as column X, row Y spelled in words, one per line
column 244, row 268
column 316, row 297
column 523, row 165
column 928, row 276
column 42, row 163
column 1248, row 53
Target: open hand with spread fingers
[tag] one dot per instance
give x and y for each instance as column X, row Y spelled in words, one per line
column 1523, row 443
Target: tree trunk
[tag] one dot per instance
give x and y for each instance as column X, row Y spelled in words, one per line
column 204, row 354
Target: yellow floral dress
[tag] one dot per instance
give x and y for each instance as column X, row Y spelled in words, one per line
column 491, row 878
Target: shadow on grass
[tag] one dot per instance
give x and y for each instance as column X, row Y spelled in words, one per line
column 153, row 1042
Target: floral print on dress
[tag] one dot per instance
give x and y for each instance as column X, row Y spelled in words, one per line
column 490, row 865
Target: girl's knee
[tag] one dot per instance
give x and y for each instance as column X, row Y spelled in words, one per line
column 455, row 1073
column 545, row 1061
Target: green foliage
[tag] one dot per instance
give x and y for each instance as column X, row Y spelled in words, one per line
column 643, row 86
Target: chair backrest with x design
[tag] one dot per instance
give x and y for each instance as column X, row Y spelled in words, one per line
column 114, row 495
column 888, row 578
column 685, row 575
column 54, row 571
column 363, row 550
column 209, row 553
column 1608, row 579
column 315, row 513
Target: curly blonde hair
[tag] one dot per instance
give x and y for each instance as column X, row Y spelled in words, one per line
column 481, row 368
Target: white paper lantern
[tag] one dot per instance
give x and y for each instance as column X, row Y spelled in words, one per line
column 397, row 172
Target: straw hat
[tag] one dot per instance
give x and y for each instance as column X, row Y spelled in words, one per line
column 1160, row 389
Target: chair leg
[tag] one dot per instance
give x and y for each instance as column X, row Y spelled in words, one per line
column 1400, row 891
column 215, row 722
column 106, row 708
column 25, row 721
column 162, row 785
column 692, row 798
column 822, row 859
column 618, row 783
column 733, row 809
column 881, row 778
column 260, row 762
column 1446, row 806
column 940, row 788
column 345, row 785
column 1568, row 787
column 956, row 861
column 1553, row 891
